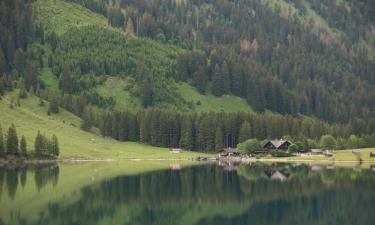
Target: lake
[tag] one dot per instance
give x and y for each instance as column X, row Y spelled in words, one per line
column 179, row 193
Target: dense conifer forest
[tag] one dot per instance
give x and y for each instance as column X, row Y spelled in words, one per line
column 306, row 68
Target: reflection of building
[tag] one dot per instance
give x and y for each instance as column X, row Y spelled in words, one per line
column 175, row 167
column 277, row 175
column 277, row 144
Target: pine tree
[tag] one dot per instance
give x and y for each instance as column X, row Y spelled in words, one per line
column 130, row 26
column 41, row 144
column 219, row 139
column 54, row 146
column 86, row 119
column 245, row 132
column 2, row 147
column 12, row 140
column 218, row 82
column 23, row 145
column 66, row 80
column 144, row 84
column 53, row 105
column 186, row 140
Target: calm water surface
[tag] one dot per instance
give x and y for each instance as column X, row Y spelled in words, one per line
column 204, row 194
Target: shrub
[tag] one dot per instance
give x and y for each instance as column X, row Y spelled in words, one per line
column 280, row 153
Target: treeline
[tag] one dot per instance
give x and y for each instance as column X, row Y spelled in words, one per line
column 10, row 145
column 211, row 131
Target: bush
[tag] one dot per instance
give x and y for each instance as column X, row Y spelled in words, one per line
column 280, row 153
column 249, row 147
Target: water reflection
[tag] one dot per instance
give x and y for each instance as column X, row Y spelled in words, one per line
column 15, row 176
column 210, row 194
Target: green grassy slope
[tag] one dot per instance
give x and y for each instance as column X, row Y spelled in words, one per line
column 60, row 16
column 208, row 102
column 74, row 143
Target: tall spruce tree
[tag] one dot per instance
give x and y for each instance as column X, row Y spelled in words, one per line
column 2, row 146
column 23, row 145
column 143, row 80
column 218, row 88
column 12, row 141
column 53, row 105
column 186, row 140
column 54, row 146
column 219, row 139
column 41, row 144
column 86, row 119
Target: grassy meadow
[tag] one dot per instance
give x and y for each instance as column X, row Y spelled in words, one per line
column 209, row 102
column 29, row 117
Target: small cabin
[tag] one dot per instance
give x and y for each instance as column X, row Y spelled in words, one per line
column 316, row 151
column 277, row 145
column 228, row 152
column 175, row 150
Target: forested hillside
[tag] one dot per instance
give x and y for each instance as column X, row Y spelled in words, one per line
column 295, row 56
column 305, row 67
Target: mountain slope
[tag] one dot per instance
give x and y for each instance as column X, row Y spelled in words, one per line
column 74, row 143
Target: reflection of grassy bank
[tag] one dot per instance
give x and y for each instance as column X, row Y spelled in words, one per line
column 72, row 177
column 338, row 156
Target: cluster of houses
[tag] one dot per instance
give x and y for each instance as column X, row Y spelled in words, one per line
column 271, row 145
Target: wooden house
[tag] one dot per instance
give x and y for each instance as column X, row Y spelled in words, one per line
column 228, row 152
column 277, row 145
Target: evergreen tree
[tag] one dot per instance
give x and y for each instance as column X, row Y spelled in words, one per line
column 130, row 26
column 23, row 92
column 3, row 62
column 86, row 119
column 144, row 83
column 66, row 80
column 186, row 140
column 54, row 146
column 53, row 105
column 12, row 140
column 41, row 144
column 245, row 132
column 218, row 88
column 2, row 147
column 23, row 145
column 219, row 139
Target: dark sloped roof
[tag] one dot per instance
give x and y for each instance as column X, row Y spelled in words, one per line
column 278, row 143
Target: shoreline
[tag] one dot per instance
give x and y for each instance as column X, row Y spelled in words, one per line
column 234, row 160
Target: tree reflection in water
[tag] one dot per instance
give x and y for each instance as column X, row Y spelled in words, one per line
column 15, row 174
column 209, row 194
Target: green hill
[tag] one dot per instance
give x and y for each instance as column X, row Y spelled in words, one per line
column 29, row 117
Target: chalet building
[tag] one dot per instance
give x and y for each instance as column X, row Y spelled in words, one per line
column 277, row 145
column 175, row 150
